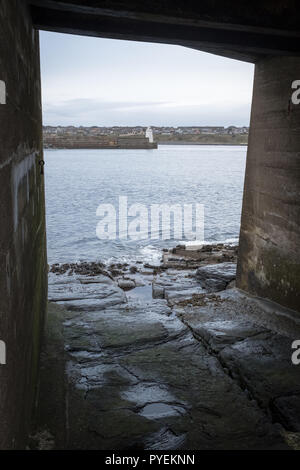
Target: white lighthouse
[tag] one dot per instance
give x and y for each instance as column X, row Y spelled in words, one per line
column 149, row 134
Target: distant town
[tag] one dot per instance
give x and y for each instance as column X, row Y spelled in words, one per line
column 138, row 136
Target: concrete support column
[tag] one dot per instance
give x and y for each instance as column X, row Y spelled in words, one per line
column 23, row 269
column 269, row 255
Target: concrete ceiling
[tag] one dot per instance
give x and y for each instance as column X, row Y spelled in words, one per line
column 244, row 30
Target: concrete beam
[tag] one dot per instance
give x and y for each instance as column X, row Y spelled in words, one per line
column 261, row 15
column 245, row 37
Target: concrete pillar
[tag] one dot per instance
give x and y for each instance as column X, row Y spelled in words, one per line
column 23, row 273
column 269, row 255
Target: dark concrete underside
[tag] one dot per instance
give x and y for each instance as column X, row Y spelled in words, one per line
column 240, row 30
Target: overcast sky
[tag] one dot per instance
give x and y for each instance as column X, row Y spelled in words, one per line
column 105, row 82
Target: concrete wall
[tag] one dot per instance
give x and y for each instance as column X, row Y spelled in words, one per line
column 269, row 255
column 23, row 283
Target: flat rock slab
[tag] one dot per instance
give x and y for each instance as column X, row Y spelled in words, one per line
column 256, row 356
column 126, row 284
column 137, row 378
column 76, row 292
column 263, row 365
column 218, row 334
column 173, row 285
column 189, row 257
column 216, row 277
column 169, row 394
column 166, row 365
column 112, row 330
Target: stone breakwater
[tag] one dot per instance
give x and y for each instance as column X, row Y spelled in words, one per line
column 139, row 356
column 97, row 142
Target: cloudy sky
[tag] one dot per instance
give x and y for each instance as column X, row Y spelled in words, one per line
column 106, row 82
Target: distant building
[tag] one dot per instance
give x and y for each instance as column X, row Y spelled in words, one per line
column 149, row 134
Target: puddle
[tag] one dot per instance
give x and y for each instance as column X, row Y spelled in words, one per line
column 160, row 410
column 156, row 398
column 143, row 293
column 145, row 393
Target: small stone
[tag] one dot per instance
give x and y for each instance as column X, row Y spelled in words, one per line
column 126, row 284
column 133, row 269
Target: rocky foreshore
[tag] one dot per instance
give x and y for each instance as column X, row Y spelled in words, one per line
column 179, row 258
column 183, row 271
column 168, row 356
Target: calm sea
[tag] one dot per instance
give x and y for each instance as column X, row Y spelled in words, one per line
column 77, row 181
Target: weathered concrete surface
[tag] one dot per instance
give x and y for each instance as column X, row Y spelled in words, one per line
column 269, row 253
column 213, row 371
column 23, row 288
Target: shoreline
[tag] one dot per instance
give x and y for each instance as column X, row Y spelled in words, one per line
column 146, row 148
column 180, row 257
column 200, row 143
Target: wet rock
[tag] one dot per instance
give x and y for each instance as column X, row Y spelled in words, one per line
column 218, row 334
column 156, row 268
column 117, row 269
column 287, row 411
column 191, row 257
column 216, row 277
column 263, row 365
column 167, row 365
column 99, row 279
column 83, row 268
column 126, row 284
column 231, row 284
column 85, row 292
column 158, row 292
column 115, row 272
column 173, row 285
column 243, row 336
column 94, row 303
column 133, row 269
column 137, row 378
column 165, row 439
column 173, row 296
